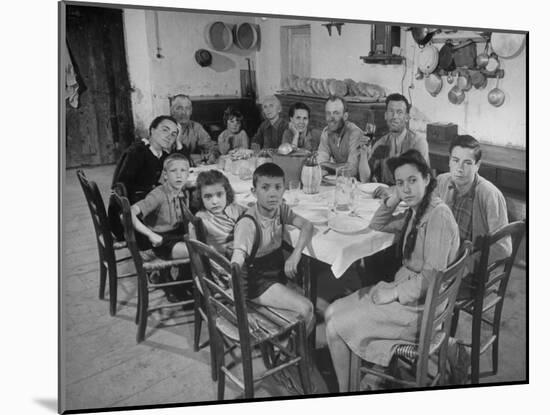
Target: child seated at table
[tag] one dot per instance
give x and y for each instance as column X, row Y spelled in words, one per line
column 258, row 246
column 218, row 210
column 371, row 321
column 163, row 223
column 234, row 136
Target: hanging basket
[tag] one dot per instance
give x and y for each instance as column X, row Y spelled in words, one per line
column 246, row 35
column 219, row 35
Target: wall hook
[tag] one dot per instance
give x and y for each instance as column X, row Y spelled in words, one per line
column 329, row 28
column 338, row 26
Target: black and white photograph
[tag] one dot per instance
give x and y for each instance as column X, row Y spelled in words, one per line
column 265, row 206
column 268, row 206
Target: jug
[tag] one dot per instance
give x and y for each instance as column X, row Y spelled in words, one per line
column 345, row 190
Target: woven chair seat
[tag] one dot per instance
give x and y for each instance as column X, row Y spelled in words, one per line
column 271, row 322
column 155, row 264
column 409, row 351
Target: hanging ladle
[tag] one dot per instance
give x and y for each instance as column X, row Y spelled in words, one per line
column 496, row 95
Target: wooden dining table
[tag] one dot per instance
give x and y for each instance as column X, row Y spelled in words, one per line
column 332, row 243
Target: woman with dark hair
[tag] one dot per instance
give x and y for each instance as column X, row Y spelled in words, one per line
column 372, row 320
column 298, row 134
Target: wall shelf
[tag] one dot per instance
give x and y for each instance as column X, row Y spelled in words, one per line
column 383, row 59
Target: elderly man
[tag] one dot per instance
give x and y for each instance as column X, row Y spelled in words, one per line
column 340, row 140
column 270, row 132
column 478, row 206
column 191, row 134
column 397, row 141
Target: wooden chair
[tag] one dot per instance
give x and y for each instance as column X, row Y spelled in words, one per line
column 236, row 322
column 106, row 245
column 434, row 334
column 489, row 282
column 145, row 266
column 200, row 310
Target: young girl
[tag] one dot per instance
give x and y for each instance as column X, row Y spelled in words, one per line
column 217, row 210
column 233, row 136
column 370, row 321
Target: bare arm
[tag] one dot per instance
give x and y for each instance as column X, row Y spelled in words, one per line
column 155, row 238
column 364, row 168
column 306, row 232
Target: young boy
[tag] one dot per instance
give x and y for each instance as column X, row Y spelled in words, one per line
column 267, row 270
column 162, row 217
column 270, row 132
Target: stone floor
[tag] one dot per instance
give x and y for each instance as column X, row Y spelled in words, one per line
column 104, row 367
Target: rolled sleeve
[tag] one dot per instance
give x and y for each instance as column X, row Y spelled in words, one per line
column 353, row 156
column 151, row 202
column 203, row 138
column 385, row 221
column 323, row 152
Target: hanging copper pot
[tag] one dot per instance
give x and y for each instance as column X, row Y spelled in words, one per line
column 456, row 95
column 433, row 83
column 496, row 95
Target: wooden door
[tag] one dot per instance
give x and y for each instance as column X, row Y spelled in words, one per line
column 102, row 125
column 296, row 51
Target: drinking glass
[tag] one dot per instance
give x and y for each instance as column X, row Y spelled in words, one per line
column 293, row 189
column 370, row 129
column 255, row 147
column 343, row 188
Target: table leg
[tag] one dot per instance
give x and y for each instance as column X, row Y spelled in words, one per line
column 310, row 288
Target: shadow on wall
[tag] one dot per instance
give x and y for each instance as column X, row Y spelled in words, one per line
column 221, row 63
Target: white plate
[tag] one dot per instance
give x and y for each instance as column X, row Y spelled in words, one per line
column 370, row 187
column 329, row 178
column 347, row 224
column 316, row 216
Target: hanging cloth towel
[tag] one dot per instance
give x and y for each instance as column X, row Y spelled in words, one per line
column 71, row 82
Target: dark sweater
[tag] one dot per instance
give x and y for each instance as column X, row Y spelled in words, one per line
column 139, row 170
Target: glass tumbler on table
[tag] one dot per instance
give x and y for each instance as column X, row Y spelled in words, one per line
column 293, row 190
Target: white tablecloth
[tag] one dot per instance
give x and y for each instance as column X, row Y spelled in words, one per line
column 334, row 248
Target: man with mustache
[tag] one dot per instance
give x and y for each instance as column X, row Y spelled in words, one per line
column 340, row 140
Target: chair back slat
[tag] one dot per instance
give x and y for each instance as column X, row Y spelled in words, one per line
column 201, row 255
column 484, row 272
column 233, row 308
column 438, row 308
column 129, row 232
column 98, row 213
column 217, row 289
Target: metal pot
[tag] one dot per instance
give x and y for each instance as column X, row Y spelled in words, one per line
column 483, row 58
column 496, row 96
column 433, row 83
column 422, row 35
column 479, row 81
column 464, row 81
column 456, row 95
column 446, row 60
column 428, row 58
column 507, row 45
column 493, row 63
